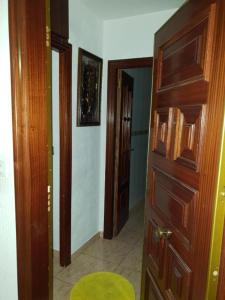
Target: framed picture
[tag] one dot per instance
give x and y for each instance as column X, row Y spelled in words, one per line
column 89, row 89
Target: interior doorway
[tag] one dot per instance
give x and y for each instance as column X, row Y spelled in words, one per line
column 127, row 138
column 61, row 161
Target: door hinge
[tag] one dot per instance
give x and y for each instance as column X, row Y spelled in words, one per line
column 48, row 36
column 53, row 150
column 49, row 198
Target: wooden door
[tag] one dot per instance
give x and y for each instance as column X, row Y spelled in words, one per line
column 126, row 90
column 183, row 158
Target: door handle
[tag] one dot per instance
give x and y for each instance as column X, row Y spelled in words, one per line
column 162, row 233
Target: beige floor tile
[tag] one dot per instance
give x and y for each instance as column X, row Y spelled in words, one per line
column 61, row 290
column 133, row 260
column 56, row 265
column 109, row 250
column 122, row 255
column 83, row 265
column 129, row 236
column 135, row 224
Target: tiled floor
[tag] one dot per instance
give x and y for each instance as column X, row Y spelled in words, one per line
column 122, row 255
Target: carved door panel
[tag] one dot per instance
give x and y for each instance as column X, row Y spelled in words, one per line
column 124, row 150
column 176, row 246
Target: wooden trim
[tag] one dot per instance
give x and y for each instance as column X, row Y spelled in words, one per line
column 65, row 154
column 59, row 43
column 65, row 90
column 30, row 122
column 113, row 67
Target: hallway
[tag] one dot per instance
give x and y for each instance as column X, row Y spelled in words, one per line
column 121, row 255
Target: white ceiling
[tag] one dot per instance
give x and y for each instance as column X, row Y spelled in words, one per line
column 112, row 9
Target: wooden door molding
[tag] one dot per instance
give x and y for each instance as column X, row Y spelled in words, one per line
column 179, row 178
column 28, row 49
column 65, row 108
column 113, row 67
column 60, row 19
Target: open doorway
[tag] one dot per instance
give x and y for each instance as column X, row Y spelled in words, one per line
column 126, row 132
column 55, row 161
column 60, row 162
column 133, row 145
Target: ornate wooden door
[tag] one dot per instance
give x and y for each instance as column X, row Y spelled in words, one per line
column 185, row 136
column 126, row 87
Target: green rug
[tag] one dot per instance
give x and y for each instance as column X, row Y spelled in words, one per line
column 103, row 286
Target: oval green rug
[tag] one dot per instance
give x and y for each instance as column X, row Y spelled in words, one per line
column 103, row 286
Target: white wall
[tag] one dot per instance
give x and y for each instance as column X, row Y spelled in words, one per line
column 56, row 144
column 125, row 38
column 134, row 36
column 8, row 264
column 139, row 141
column 86, row 31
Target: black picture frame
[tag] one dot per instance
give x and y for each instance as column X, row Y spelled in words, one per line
column 89, row 87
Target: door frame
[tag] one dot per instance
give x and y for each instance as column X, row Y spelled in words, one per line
column 31, row 100
column 65, row 119
column 113, row 67
column 30, row 85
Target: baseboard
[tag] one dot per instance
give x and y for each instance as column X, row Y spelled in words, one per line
column 84, row 246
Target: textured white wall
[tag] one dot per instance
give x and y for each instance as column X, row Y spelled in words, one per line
column 8, row 264
column 139, row 143
column 134, row 36
column 125, row 38
column 86, row 31
column 56, row 144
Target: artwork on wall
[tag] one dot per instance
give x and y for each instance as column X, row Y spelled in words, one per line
column 89, row 89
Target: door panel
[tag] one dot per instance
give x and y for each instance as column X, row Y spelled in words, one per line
column 188, row 137
column 162, row 134
column 175, row 201
column 177, row 276
column 124, row 150
column 175, row 204
column 186, row 56
column 152, row 291
column 155, row 250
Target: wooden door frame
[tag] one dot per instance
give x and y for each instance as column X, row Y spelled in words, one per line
column 113, row 67
column 30, row 93
column 65, row 107
column 29, row 46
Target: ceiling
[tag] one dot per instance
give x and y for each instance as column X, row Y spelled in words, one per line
column 112, row 9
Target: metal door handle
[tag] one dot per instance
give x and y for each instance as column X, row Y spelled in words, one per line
column 162, row 233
